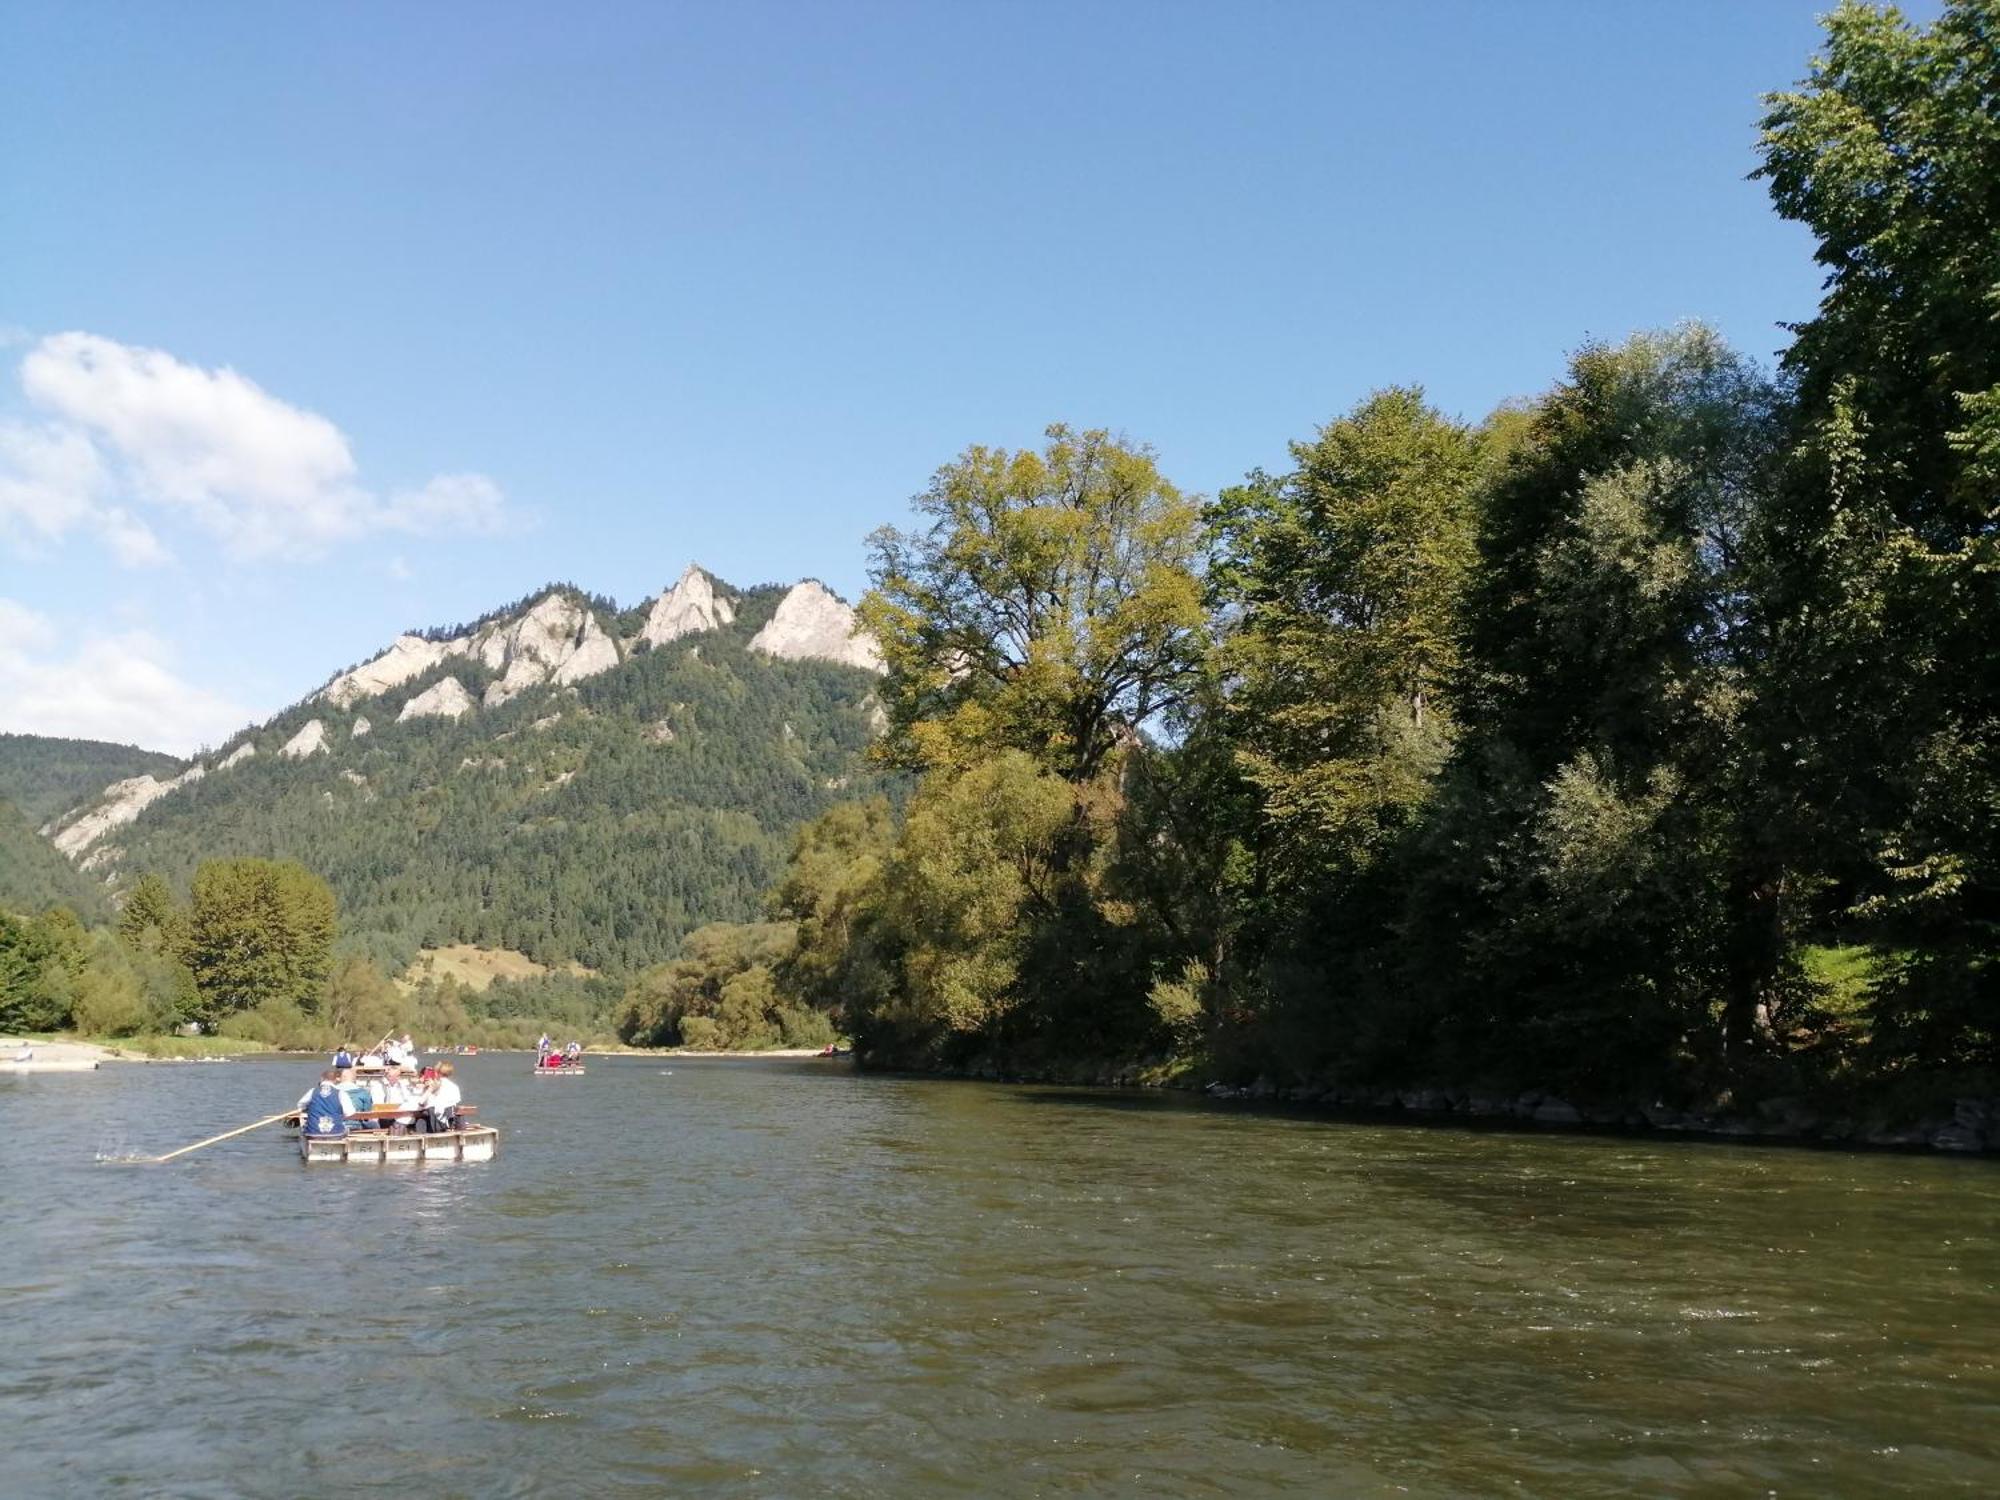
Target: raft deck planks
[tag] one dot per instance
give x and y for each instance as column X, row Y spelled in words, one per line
column 374, row 1148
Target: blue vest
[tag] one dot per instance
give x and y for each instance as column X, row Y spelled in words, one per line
column 343, row 1059
column 324, row 1116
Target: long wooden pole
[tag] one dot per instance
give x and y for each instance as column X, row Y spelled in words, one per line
column 239, row 1130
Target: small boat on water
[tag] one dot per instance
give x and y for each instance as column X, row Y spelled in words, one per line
column 567, row 1070
column 378, row 1148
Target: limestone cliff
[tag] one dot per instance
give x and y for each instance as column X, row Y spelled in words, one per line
column 411, row 656
column 690, row 607
column 120, row 803
column 813, row 624
column 309, row 741
column 444, row 699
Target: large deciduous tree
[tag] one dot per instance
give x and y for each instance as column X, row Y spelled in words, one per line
column 1050, row 603
column 1344, row 579
column 1578, row 901
column 1888, row 662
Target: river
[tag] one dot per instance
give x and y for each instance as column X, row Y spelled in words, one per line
column 780, row 1278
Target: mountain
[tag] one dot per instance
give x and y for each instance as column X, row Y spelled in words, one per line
column 34, row 877
column 42, row 776
column 574, row 781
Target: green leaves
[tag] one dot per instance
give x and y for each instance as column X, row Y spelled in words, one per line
column 1889, row 153
column 258, row 931
column 720, row 993
column 1052, row 604
column 1344, row 581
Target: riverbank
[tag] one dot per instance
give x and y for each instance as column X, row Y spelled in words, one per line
column 28, row 1055
column 1968, row 1125
column 58, row 1053
column 769, row 1053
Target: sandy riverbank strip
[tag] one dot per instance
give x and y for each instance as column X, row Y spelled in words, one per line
column 19, row 1055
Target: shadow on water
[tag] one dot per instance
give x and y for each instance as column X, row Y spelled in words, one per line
column 1131, row 1101
column 1166, row 1101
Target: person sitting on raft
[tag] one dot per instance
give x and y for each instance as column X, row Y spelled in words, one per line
column 359, row 1096
column 440, row 1110
column 396, row 1091
column 324, row 1110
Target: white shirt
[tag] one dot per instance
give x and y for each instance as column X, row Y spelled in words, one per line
column 445, row 1094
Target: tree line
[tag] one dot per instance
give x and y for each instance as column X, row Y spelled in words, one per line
column 254, row 954
column 1640, row 736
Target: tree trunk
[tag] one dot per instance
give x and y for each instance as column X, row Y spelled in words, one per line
column 1756, row 952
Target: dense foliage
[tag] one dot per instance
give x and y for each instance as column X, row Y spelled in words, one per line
column 44, row 776
column 721, row 993
column 1644, row 736
column 251, row 956
column 34, row 877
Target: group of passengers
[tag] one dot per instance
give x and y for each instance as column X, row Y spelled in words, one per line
column 390, row 1052
column 427, row 1102
column 548, row 1055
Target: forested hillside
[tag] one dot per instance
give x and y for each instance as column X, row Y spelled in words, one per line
column 34, row 877
column 43, row 776
column 591, row 821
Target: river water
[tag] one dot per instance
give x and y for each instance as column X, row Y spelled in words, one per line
column 779, row 1278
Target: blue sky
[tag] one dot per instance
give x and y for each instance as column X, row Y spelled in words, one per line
column 514, row 293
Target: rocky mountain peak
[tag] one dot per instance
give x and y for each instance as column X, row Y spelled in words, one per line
column 690, row 607
column 812, row 623
column 557, row 640
column 410, row 656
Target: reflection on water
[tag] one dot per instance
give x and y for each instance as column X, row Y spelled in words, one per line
column 782, row 1279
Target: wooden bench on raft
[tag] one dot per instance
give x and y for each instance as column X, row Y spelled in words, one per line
column 393, row 1112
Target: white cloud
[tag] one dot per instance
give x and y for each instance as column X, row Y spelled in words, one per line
column 103, row 686
column 453, row 503
column 21, row 629
column 50, row 478
column 123, row 428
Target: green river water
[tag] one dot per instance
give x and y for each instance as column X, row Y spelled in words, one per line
column 781, row 1278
